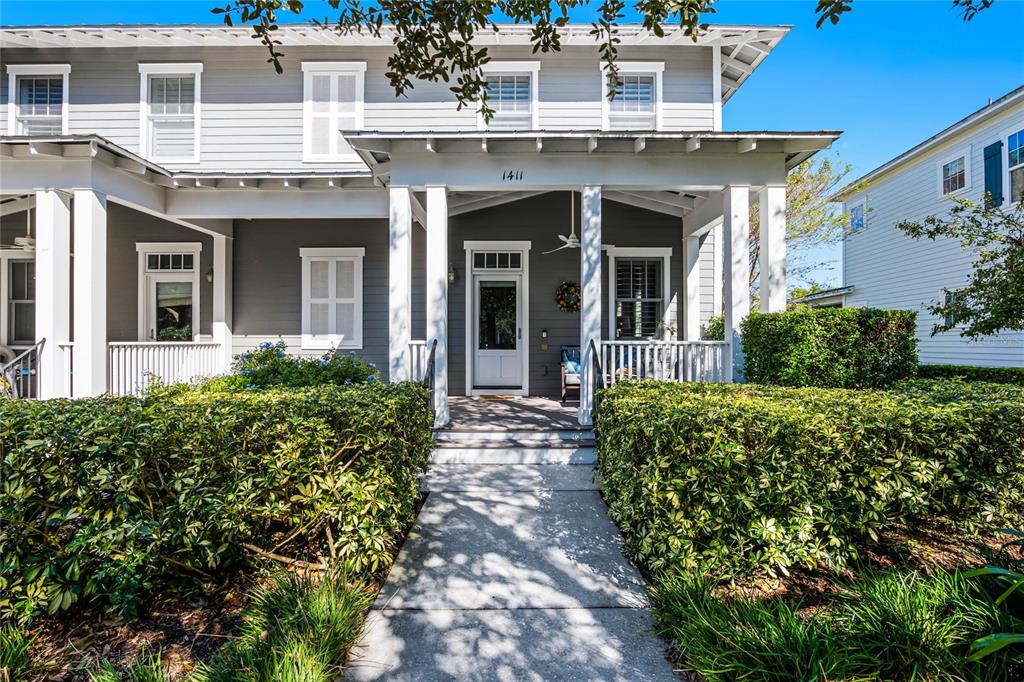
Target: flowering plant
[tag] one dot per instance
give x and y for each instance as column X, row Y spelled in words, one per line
column 567, row 295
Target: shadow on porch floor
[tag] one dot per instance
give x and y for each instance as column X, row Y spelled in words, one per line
column 522, row 414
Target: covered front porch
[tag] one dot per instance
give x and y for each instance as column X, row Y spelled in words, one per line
column 639, row 212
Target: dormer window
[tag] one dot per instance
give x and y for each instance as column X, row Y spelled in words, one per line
column 512, row 94
column 636, row 104
column 38, row 99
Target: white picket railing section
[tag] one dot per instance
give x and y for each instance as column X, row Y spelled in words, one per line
column 133, row 365
column 705, row 361
column 417, row 359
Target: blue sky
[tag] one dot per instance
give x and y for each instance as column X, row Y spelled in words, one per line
column 890, row 74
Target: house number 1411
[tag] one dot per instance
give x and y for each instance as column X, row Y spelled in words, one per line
column 512, row 176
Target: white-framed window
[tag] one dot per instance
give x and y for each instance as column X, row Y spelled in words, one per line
column 637, row 104
column 37, row 99
column 949, row 297
column 332, row 101
column 332, row 297
column 169, row 104
column 638, row 293
column 1015, row 165
column 512, row 92
column 18, row 294
column 858, row 218
column 955, row 173
column 169, row 292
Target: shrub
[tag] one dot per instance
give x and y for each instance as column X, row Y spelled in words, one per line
column 830, row 347
column 892, row 625
column 109, row 498
column 994, row 375
column 15, row 660
column 297, row 628
column 715, row 331
column 269, row 366
column 741, row 478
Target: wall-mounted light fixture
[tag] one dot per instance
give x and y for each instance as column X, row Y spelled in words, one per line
column 453, row 274
column 209, row 275
column 544, row 340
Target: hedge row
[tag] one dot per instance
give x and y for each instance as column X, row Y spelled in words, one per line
column 108, row 499
column 742, row 478
column 830, row 347
column 995, row 375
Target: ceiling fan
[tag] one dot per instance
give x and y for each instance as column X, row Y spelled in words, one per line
column 572, row 241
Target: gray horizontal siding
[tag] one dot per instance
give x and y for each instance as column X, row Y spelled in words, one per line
column 890, row 270
column 251, row 117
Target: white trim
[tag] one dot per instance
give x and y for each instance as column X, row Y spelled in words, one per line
column 6, row 256
column 949, row 157
column 333, row 255
column 663, row 252
column 143, row 281
column 1008, row 198
column 14, row 71
column 355, row 69
column 655, row 69
column 146, row 70
column 716, row 86
column 469, row 246
column 516, row 68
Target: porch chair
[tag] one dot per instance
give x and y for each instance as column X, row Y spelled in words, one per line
column 571, row 368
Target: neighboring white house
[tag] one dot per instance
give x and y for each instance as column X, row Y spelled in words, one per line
column 884, row 268
column 183, row 203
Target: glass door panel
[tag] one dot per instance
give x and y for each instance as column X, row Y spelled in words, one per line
column 498, row 325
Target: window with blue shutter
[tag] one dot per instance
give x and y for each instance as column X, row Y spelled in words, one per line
column 994, row 172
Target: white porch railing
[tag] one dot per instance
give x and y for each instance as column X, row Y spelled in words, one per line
column 705, row 361
column 133, row 365
column 417, row 359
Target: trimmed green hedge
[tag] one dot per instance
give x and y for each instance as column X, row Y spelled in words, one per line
column 741, row 478
column 994, row 375
column 110, row 498
column 830, row 347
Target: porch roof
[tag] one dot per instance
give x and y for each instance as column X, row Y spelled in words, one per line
column 377, row 147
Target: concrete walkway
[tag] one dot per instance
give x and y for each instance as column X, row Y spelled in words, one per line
column 511, row 572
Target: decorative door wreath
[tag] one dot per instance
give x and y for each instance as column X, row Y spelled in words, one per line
column 567, row 295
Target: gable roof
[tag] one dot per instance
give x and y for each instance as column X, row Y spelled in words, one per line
column 743, row 47
column 990, row 109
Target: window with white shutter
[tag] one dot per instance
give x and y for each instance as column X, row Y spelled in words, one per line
column 170, row 112
column 38, row 99
column 512, row 95
column 639, row 293
column 332, row 102
column 636, row 101
column 332, row 298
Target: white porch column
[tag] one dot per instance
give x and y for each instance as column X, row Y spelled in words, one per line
column 590, row 290
column 736, row 251
column 53, row 289
column 691, row 288
column 773, row 249
column 399, row 284
column 89, row 373
column 223, row 252
column 437, row 295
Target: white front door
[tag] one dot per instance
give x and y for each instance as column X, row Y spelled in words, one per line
column 498, row 331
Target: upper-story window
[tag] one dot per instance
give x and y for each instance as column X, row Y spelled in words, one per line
column 954, row 173
column 169, row 124
column 857, row 218
column 332, row 102
column 637, row 101
column 512, row 94
column 1015, row 164
column 38, row 101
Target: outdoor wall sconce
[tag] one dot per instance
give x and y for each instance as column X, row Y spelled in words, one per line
column 544, row 340
column 453, row 274
column 209, row 275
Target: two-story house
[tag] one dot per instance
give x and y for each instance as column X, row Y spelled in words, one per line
column 885, row 268
column 169, row 201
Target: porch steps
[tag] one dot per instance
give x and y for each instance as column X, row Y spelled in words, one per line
column 514, row 447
